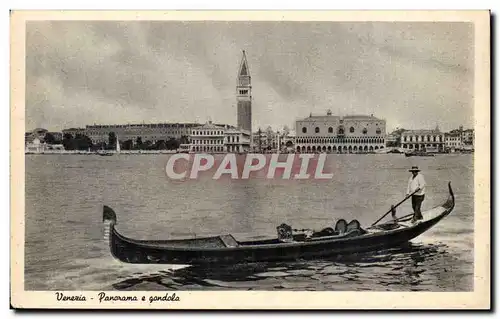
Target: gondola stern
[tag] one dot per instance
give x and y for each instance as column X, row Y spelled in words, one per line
column 108, row 215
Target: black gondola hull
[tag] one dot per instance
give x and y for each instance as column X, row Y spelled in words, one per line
column 213, row 250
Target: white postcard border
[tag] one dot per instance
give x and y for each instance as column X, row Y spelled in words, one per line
column 477, row 299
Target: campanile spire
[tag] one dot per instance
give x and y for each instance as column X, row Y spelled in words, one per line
column 244, row 95
column 244, row 71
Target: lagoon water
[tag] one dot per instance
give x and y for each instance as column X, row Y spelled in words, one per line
column 65, row 249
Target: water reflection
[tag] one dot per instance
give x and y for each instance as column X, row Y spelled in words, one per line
column 409, row 267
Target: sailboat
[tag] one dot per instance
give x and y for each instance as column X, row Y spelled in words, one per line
column 106, row 153
column 117, row 145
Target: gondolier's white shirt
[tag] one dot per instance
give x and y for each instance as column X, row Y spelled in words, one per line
column 414, row 183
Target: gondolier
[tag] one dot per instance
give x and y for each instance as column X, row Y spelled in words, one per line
column 416, row 187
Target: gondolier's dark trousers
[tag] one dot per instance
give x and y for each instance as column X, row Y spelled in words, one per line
column 416, row 203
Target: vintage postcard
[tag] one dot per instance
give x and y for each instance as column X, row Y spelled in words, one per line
column 250, row 160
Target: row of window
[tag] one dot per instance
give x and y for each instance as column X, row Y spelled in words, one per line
column 341, row 140
column 229, row 139
column 134, row 138
column 214, row 149
column 110, row 127
column 100, row 133
column 196, row 132
column 433, row 138
column 209, row 142
column 207, row 148
column 233, row 139
column 340, row 149
column 340, row 130
column 422, row 147
column 233, row 148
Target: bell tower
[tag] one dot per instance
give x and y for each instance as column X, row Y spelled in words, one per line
column 244, row 95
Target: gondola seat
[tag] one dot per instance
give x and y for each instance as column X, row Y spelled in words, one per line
column 355, row 227
column 328, row 231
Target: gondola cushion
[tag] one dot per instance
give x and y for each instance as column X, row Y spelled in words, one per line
column 341, row 226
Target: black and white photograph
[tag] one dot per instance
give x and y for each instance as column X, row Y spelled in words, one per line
column 253, row 155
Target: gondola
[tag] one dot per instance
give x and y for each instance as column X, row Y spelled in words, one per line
column 343, row 239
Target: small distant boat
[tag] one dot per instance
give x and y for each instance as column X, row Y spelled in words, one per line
column 395, row 151
column 419, row 153
column 345, row 238
column 105, row 153
column 110, row 153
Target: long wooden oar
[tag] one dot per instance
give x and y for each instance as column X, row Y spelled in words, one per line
column 402, row 218
column 394, row 207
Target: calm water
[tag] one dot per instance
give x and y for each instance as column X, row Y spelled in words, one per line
column 65, row 249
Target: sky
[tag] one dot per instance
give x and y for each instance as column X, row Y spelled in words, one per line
column 415, row 75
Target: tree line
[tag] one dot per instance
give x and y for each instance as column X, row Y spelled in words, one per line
column 82, row 142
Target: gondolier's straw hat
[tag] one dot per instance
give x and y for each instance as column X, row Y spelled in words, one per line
column 414, row 169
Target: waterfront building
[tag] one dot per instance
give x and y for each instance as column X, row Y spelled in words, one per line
column 468, row 136
column 28, row 137
column 36, row 133
column 423, row 140
column 35, row 146
column 265, row 140
column 259, row 139
column 146, row 132
column 244, row 96
column 37, row 141
column 460, row 139
column 237, row 140
column 207, row 138
column 339, row 134
column 214, row 138
column 453, row 141
column 41, row 134
column 287, row 142
column 392, row 139
column 269, row 140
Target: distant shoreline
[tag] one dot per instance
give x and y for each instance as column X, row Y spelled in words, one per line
column 174, row 152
